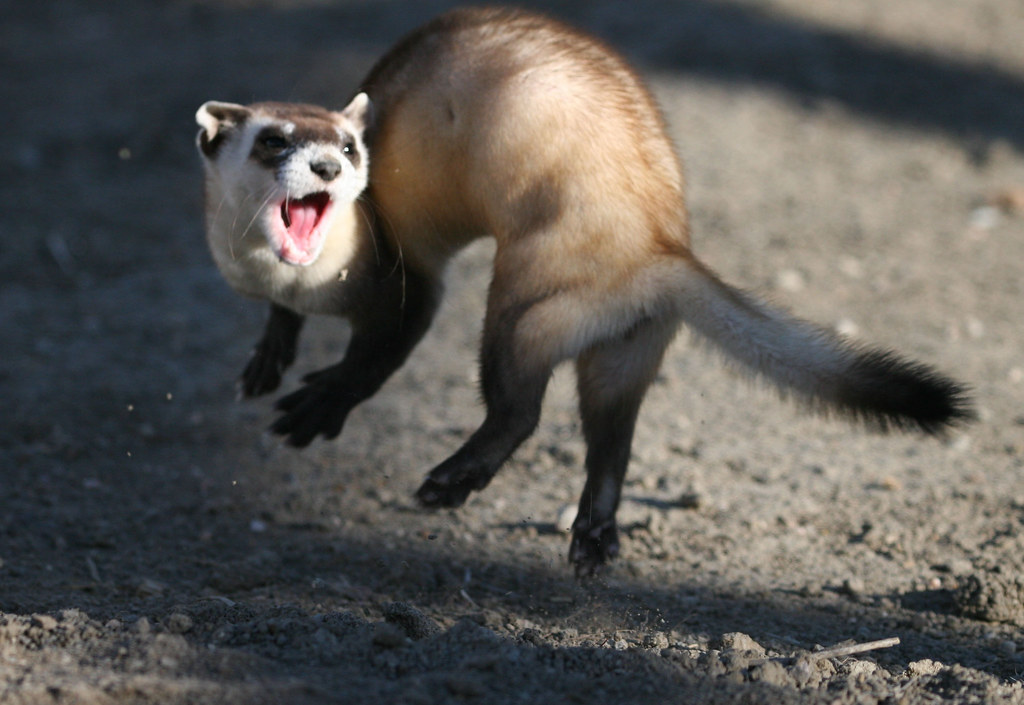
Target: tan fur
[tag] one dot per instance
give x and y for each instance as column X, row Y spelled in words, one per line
column 504, row 123
column 545, row 140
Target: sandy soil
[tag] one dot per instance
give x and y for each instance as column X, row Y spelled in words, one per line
column 861, row 163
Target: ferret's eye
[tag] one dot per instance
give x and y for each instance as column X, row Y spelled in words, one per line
column 273, row 142
column 351, row 152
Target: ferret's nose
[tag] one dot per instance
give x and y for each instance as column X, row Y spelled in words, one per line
column 326, row 169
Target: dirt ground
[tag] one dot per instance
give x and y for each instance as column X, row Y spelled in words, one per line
column 861, row 163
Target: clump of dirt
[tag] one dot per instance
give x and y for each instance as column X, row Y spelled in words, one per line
column 992, row 597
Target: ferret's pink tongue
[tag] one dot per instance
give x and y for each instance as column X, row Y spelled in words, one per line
column 301, row 218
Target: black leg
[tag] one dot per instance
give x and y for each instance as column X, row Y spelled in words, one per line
column 513, row 390
column 274, row 353
column 609, row 434
column 612, row 379
column 381, row 342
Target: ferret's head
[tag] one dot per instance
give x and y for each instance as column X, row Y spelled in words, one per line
column 282, row 169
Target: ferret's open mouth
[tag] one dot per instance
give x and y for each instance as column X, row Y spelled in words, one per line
column 302, row 235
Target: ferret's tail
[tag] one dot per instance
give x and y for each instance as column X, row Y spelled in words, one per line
column 817, row 366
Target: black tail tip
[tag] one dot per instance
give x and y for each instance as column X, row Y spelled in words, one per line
column 894, row 394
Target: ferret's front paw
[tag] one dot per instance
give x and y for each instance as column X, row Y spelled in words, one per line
column 311, row 411
column 262, row 374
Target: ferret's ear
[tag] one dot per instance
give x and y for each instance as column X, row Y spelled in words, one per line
column 217, row 119
column 359, row 112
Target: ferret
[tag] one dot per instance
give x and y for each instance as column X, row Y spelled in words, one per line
column 506, row 123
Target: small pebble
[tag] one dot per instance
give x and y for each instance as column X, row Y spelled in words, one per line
column 924, row 667
column 975, row 328
column 178, row 623
column 851, row 267
column 984, row 218
column 148, row 587
column 790, row 280
column 853, row 586
column 862, row 667
column 566, row 517
column 44, row 622
column 890, row 483
column 961, row 443
column 689, row 500
column 847, row 327
column 656, row 640
column 738, row 641
column 803, row 671
column 410, row 620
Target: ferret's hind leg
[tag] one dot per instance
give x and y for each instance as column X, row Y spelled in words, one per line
column 513, row 383
column 612, row 379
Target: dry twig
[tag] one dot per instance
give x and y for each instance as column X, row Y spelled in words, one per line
column 835, row 651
